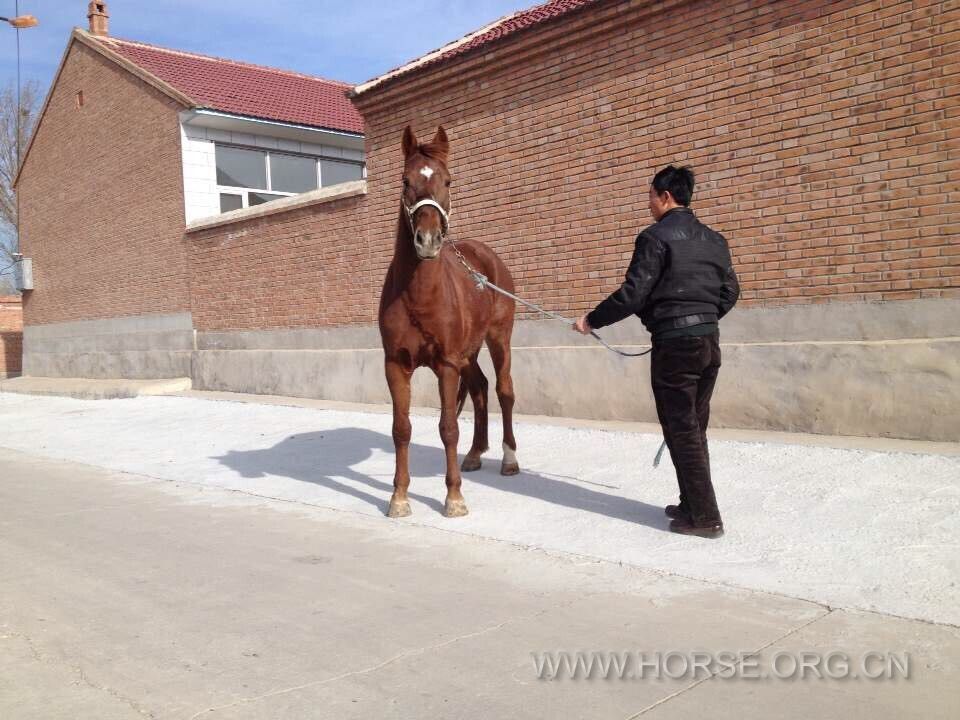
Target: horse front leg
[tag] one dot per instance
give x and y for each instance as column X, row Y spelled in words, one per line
column 449, row 380
column 398, row 379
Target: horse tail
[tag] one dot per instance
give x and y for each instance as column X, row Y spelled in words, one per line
column 462, row 390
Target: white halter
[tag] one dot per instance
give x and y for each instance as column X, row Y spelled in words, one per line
column 444, row 215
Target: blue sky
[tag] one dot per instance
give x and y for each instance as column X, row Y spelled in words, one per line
column 349, row 41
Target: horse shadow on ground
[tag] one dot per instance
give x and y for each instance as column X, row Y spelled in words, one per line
column 325, row 458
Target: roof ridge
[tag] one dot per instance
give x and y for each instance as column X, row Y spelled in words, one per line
column 543, row 11
column 435, row 53
column 216, row 58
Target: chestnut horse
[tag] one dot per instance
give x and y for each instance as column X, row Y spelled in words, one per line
column 433, row 314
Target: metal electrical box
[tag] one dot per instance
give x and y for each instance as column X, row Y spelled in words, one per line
column 24, row 274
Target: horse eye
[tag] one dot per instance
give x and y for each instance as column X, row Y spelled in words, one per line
column 406, row 183
column 448, row 183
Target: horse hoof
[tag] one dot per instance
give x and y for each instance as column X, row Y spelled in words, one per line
column 470, row 464
column 399, row 509
column 455, row 508
column 510, row 469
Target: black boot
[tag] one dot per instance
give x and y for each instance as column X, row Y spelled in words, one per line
column 685, row 526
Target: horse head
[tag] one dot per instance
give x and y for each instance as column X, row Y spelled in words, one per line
column 426, row 191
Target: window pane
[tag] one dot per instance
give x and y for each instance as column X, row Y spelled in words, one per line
column 230, row 202
column 333, row 172
column 256, row 198
column 241, row 168
column 289, row 173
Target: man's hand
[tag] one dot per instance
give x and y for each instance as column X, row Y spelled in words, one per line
column 582, row 326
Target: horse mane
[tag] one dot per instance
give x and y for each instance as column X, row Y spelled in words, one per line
column 435, row 151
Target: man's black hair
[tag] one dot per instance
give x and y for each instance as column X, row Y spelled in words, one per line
column 678, row 181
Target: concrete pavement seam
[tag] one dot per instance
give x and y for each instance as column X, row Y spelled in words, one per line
column 526, row 548
column 380, row 665
column 519, row 546
column 78, row 671
column 712, row 675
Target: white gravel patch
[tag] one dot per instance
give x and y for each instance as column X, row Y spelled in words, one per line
column 848, row 528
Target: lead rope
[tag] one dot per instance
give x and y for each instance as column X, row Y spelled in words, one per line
column 483, row 281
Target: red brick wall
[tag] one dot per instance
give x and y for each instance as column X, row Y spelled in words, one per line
column 302, row 268
column 824, row 136
column 101, row 199
column 11, row 335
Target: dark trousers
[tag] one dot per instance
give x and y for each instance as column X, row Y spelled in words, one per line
column 683, row 371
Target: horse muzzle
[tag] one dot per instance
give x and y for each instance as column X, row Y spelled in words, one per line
column 427, row 244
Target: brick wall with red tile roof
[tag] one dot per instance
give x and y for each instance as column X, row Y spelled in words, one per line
column 819, row 132
column 823, row 135
column 11, row 335
column 101, row 198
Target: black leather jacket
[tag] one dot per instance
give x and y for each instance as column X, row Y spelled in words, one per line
column 681, row 274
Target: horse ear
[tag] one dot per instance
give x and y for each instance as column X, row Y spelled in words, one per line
column 440, row 141
column 409, row 142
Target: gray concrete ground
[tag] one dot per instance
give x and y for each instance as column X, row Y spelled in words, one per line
column 123, row 596
column 95, row 389
column 847, row 442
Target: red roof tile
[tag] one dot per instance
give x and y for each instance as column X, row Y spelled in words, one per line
column 502, row 28
column 244, row 89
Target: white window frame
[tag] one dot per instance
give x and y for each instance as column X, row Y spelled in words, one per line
column 244, row 192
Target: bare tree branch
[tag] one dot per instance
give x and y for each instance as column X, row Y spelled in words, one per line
column 12, row 147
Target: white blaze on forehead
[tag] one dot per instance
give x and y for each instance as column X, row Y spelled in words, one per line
column 426, row 171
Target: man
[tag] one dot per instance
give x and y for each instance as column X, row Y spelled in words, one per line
column 680, row 282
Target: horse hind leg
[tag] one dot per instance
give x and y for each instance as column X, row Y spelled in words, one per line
column 477, row 385
column 499, row 347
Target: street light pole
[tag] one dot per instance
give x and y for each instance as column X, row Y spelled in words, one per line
column 16, row 13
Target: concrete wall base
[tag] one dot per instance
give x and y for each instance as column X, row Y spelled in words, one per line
column 867, row 369
column 887, row 389
column 139, row 347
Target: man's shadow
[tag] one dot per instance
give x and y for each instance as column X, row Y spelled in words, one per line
column 322, row 457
